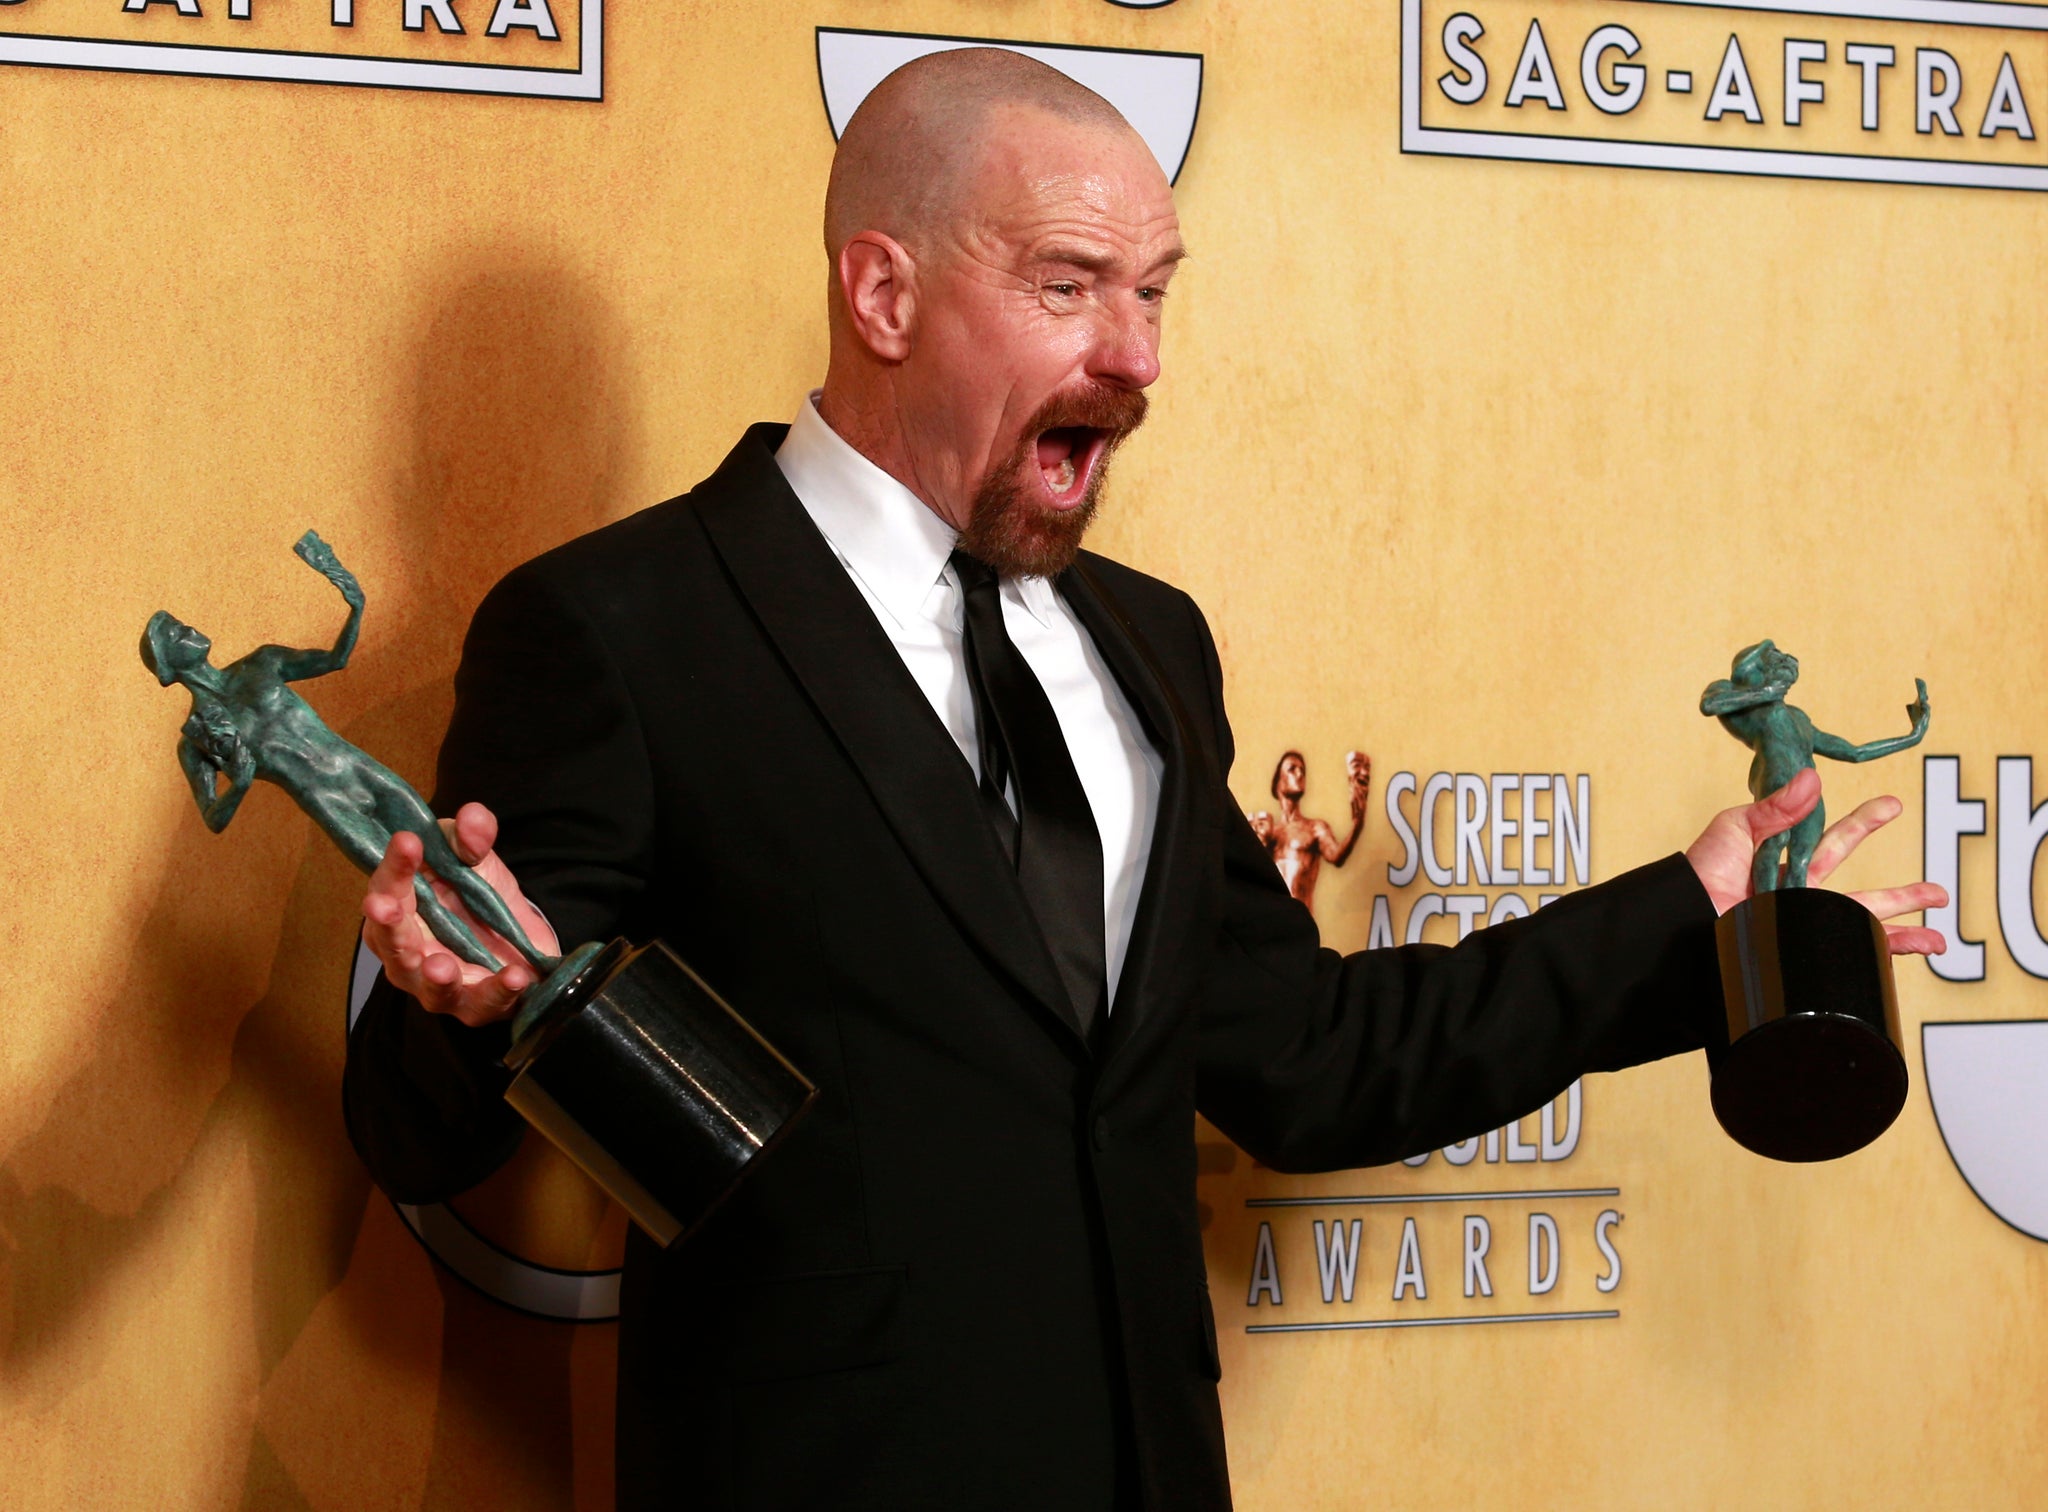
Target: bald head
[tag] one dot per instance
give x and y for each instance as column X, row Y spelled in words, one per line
column 907, row 157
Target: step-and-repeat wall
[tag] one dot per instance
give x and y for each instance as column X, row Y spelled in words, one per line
column 1534, row 357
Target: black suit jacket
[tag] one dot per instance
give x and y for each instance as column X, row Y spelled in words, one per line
column 973, row 1277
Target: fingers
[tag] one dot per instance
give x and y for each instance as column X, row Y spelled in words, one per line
column 1721, row 857
column 388, row 904
column 443, row 984
column 1916, row 897
column 1890, row 902
column 1845, row 835
column 439, row 981
column 469, row 994
column 417, row 963
column 486, row 936
column 401, row 862
column 473, row 835
column 391, row 922
column 1777, row 812
column 1915, row 939
column 474, row 832
column 492, row 998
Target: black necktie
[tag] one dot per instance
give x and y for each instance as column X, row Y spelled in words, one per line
column 1052, row 838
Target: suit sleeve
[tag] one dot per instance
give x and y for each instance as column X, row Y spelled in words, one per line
column 1311, row 1060
column 544, row 734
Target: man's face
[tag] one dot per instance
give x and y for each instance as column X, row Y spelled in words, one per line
column 1037, row 332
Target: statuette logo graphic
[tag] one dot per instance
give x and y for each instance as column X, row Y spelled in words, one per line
column 1298, row 844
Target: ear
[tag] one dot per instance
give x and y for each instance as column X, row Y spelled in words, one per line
column 877, row 282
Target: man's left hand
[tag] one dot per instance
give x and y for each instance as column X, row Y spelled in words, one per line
column 1722, row 855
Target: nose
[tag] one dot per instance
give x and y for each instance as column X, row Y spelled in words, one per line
column 1126, row 351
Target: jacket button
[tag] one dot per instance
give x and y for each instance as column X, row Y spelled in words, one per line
column 1101, row 1132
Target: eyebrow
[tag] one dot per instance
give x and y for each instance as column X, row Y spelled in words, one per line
column 1091, row 261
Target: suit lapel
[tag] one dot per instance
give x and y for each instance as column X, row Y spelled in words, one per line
column 831, row 641
column 1170, row 880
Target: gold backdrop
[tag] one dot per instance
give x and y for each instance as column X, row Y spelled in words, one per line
column 1480, row 467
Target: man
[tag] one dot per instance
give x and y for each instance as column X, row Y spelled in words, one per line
column 1031, row 934
column 1298, row 844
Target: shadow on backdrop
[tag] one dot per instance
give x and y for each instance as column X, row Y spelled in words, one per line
column 224, row 1039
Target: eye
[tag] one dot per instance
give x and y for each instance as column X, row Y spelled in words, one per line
column 1066, row 288
column 1152, row 295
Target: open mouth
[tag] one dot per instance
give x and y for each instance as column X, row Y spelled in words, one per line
column 1067, row 459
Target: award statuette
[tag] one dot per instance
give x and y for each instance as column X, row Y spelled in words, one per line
column 1811, row 1069
column 623, row 1057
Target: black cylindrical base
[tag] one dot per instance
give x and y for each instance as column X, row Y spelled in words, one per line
column 654, row 1086
column 1811, row 1069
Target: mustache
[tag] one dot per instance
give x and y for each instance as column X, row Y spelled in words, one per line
column 1115, row 411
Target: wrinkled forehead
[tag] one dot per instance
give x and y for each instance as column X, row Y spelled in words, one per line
column 1037, row 178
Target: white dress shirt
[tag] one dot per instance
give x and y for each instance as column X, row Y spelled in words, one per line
column 895, row 549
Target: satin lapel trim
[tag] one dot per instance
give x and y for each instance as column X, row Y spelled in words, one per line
column 853, row 675
column 1131, row 661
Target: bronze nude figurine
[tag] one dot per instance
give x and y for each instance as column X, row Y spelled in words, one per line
column 1298, row 844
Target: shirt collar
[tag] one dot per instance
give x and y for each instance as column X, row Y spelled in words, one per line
column 888, row 537
column 884, row 533
column 1036, row 595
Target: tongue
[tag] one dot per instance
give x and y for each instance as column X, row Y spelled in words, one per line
column 1056, row 446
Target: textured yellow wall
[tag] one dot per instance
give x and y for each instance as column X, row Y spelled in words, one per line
column 1474, row 466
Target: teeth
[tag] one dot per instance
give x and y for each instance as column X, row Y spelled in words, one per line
column 1063, row 475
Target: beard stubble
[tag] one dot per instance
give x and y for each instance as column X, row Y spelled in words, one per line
column 1008, row 528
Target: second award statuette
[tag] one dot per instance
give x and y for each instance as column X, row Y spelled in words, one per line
column 622, row 1056
column 1811, row 1069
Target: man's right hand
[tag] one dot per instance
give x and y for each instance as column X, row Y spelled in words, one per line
column 415, row 961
